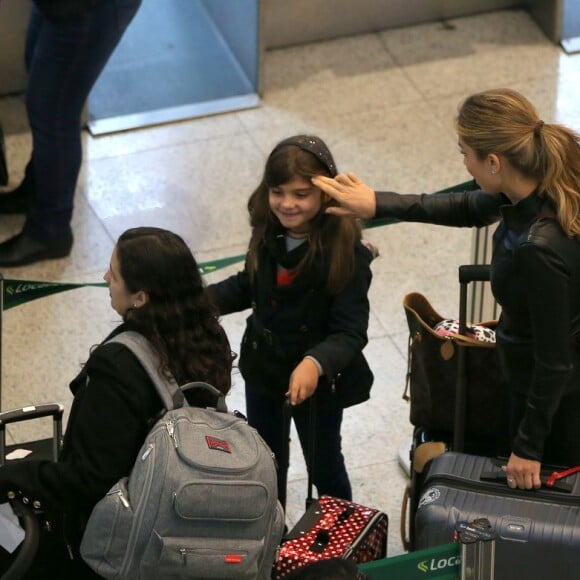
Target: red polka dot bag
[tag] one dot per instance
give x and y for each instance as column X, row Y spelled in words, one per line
column 334, row 528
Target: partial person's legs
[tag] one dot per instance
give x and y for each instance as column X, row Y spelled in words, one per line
column 18, row 200
column 329, row 473
column 65, row 59
column 267, row 416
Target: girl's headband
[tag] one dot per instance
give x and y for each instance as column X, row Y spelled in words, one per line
column 313, row 145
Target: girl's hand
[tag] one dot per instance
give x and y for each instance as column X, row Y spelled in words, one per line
column 303, row 382
column 522, row 473
column 355, row 197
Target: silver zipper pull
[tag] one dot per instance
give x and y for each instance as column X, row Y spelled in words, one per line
column 123, row 498
column 183, row 553
column 147, row 452
column 171, row 431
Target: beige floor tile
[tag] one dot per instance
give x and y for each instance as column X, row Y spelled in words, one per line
column 470, row 54
column 200, row 190
column 172, row 134
column 336, row 77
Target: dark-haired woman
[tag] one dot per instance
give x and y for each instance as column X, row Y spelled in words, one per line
column 155, row 286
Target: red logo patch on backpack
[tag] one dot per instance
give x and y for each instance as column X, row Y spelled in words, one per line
column 218, row 444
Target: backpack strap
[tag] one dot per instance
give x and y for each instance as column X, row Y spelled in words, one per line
column 168, row 390
column 172, row 395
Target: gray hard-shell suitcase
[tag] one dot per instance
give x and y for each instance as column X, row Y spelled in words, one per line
column 537, row 531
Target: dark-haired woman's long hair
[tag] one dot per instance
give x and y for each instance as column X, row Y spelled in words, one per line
column 178, row 319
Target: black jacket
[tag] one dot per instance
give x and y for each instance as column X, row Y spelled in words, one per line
column 62, row 9
column 535, row 277
column 114, row 406
column 299, row 319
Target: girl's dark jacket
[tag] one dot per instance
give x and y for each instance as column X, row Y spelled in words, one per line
column 291, row 321
column 114, row 407
column 535, row 278
column 60, row 9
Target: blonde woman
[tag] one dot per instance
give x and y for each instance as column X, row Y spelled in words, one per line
column 529, row 175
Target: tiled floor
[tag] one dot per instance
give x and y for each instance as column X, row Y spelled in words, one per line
column 384, row 102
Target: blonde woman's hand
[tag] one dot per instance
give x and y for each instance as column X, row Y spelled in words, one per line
column 523, row 473
column 355, row 198
column 303, row 382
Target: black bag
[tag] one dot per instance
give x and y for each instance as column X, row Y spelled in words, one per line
column 432, row 374
column 3, row 164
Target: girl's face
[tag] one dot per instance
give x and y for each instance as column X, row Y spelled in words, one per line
column 121, row 299
column 483, row 171
column 295, row 204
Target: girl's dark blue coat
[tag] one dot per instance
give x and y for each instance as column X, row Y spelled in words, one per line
column 299, row 319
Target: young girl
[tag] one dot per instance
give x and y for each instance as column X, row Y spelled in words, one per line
column 306, row 278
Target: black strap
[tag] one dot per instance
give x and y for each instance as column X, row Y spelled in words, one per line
column 311, row 446
column 500, row 476
column 287, row 417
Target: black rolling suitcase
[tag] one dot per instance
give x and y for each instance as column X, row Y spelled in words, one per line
column 330, row 527
column 457, row 393
column 15, row 566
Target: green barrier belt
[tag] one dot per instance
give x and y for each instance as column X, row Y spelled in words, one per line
column 17, row 292
column 442, row 562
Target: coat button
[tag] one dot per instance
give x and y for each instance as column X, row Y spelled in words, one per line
column 11, row 495
column 303, row 328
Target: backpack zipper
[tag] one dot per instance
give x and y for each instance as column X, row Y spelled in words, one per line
column 122, row 498
column 171, row 430
column 139, row 513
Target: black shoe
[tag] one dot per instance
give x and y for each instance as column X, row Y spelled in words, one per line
column 14, row 202
column 24, row 249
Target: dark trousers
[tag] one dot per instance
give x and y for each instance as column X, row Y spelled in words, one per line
column 64, row 58
column 268, row 417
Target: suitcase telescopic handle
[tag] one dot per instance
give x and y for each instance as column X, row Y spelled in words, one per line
column 474, row 273
column 33, row 412
column 54, row 410
column 467, row 273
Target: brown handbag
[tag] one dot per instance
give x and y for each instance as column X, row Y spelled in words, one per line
column 432, row 375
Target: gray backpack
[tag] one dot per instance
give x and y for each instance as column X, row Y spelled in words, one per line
column 200, row 502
